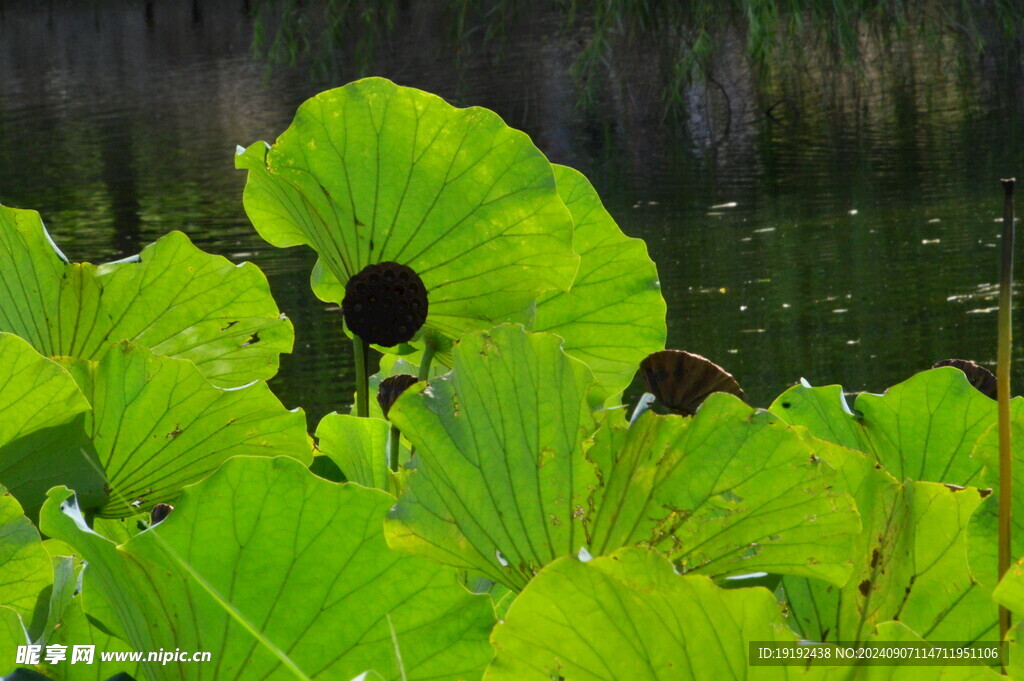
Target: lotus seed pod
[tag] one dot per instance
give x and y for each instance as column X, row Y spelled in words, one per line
column 385, row 304
column 681, row 380
column 980, row 377
column 159, row 512
column 391, row 388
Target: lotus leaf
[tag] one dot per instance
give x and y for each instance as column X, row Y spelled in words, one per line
column 732, row 489
column 911, row 562
column 631, row 616
column 302, row 561
column 614, row 314
column 372, row 172
column 26, row 564
column 984, row 528
column 500, row 483
column 172, row 298
column 923, row 428
column 358, row 446
column 42, row 431
column 12, row 635
column 158, row 424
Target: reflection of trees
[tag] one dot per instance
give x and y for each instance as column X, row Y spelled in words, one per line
column 682, row 57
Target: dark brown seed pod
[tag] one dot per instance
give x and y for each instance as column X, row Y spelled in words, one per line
column 391, row 388
column 681, row 380
column 385, row 304
column 159, row 512
column 980, row 377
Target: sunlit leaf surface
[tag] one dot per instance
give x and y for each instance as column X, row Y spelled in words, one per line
column 302, row 560
column 732, row 489
column 911, row 562
column 923, row 428
column 373, row 172
column 25, row 563
column 614, row 314
column 631, row 616
column 500, row 483
column 157, row 425
column 173, row 298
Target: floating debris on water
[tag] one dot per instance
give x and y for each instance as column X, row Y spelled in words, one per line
column 852, row 211
column 731, row 204
column 931, row 241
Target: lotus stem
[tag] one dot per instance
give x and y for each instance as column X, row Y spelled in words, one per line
column 642, row 405
column 394, row 440
column 362, row 377
column 1003, row 398
column 428, row 356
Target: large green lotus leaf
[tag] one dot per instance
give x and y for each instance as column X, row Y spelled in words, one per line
column 302, row 560
column 67, row 625
column 173, row 298
column 359, row 447
column 500, row 482
column 158, row 424
column 42, row 414
column 24, row 563
column 911, row 562
column 922, row 429
column 373, row 172
column 631, row 617
column 732, row 489
column 614, row 314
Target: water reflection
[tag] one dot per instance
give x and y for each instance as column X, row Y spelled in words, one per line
column 847, row 237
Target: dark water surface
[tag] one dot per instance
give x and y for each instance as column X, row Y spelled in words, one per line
column 862, row 245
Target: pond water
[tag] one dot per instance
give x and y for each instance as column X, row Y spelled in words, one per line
column 850, row 237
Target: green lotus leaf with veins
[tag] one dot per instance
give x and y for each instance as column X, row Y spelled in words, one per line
column 923, row 428
column 729, row 490
column 26, row 564
column 157, row 425
column 300, row 578
column 614, row 314
column 500, row 483
column 172, row 298
column 372, row 172
column 630, row 616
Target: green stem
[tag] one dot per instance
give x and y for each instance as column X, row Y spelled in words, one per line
column 1003, row 397
column 394, row 440
column 428, row 356
column 362, row 358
